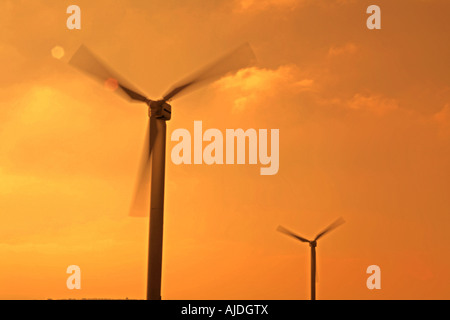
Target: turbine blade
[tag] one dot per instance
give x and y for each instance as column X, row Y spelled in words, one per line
column 331, row 227
column 87, row 62
column 291, row 234
column 239, row 58
column 141, row 196
column 133, row 94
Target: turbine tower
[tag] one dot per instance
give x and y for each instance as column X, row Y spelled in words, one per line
column 152, row 168
column 313, row 245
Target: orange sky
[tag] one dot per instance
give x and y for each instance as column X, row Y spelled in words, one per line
column 364, row 119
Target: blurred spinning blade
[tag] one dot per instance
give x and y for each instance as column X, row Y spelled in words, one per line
column 140, row 202
column 86, row 61
column 291, row 234
column 239, row 58
column 331, row 227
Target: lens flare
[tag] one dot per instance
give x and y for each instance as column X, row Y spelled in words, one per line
column 58, row 52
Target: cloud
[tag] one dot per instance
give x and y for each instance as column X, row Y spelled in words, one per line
column 260, row 5
column 290, row 86
column 258, row 84
column 264, row 5
column 258, row 79
column 375, row 104
column 349, row 48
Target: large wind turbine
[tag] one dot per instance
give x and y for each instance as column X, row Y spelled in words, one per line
column 152, row 167
column 313, row 245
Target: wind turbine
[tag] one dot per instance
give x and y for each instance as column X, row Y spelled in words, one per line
column 313, row 245
column 152, row 167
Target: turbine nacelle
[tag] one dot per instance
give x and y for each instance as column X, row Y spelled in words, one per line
column 159, row 109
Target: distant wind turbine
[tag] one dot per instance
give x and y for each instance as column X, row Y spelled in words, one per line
column 313, row 245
